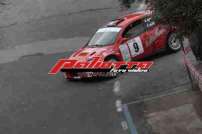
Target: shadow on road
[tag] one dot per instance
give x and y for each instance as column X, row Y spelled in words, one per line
column 91, row 80
column 158, row 55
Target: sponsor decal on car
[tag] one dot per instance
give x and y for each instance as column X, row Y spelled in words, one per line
column 155, row 36
column 125, row 52
column 109, row 29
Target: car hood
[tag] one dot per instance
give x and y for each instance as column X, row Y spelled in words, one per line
column 84, row 53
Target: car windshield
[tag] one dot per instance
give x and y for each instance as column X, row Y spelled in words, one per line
column 104, row 36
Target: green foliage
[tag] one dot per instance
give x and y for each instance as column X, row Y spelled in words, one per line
column 127, row 3
column 186, row 15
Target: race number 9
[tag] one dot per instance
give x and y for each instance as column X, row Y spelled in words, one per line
column 135, row 46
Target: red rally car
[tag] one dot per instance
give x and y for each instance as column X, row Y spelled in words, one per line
column 127, row 38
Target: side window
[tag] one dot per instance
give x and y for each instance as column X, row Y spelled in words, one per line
column 135, row 29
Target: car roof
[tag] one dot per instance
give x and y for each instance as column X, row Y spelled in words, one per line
column 127, row 19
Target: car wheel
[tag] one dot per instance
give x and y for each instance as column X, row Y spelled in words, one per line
column 174, row 43
column 112, row 59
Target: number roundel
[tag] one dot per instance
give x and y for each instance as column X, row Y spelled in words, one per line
column 135, row 46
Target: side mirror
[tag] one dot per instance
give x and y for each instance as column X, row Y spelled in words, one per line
column 124, row 40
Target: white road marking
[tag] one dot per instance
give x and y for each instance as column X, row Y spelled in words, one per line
column 118, row 105
column 124, row 125
column 42, row 47
column 116, row 88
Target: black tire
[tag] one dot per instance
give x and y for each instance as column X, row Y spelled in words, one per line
column 174, row 43
column 113, row 59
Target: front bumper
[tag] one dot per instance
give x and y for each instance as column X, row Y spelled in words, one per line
column 82, row 75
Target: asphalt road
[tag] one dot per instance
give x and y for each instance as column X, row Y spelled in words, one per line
column 31, row 101
column 167, row 73
column 34, row 102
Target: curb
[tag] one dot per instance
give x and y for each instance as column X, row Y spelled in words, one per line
column 129, row 120
column 195, row 76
